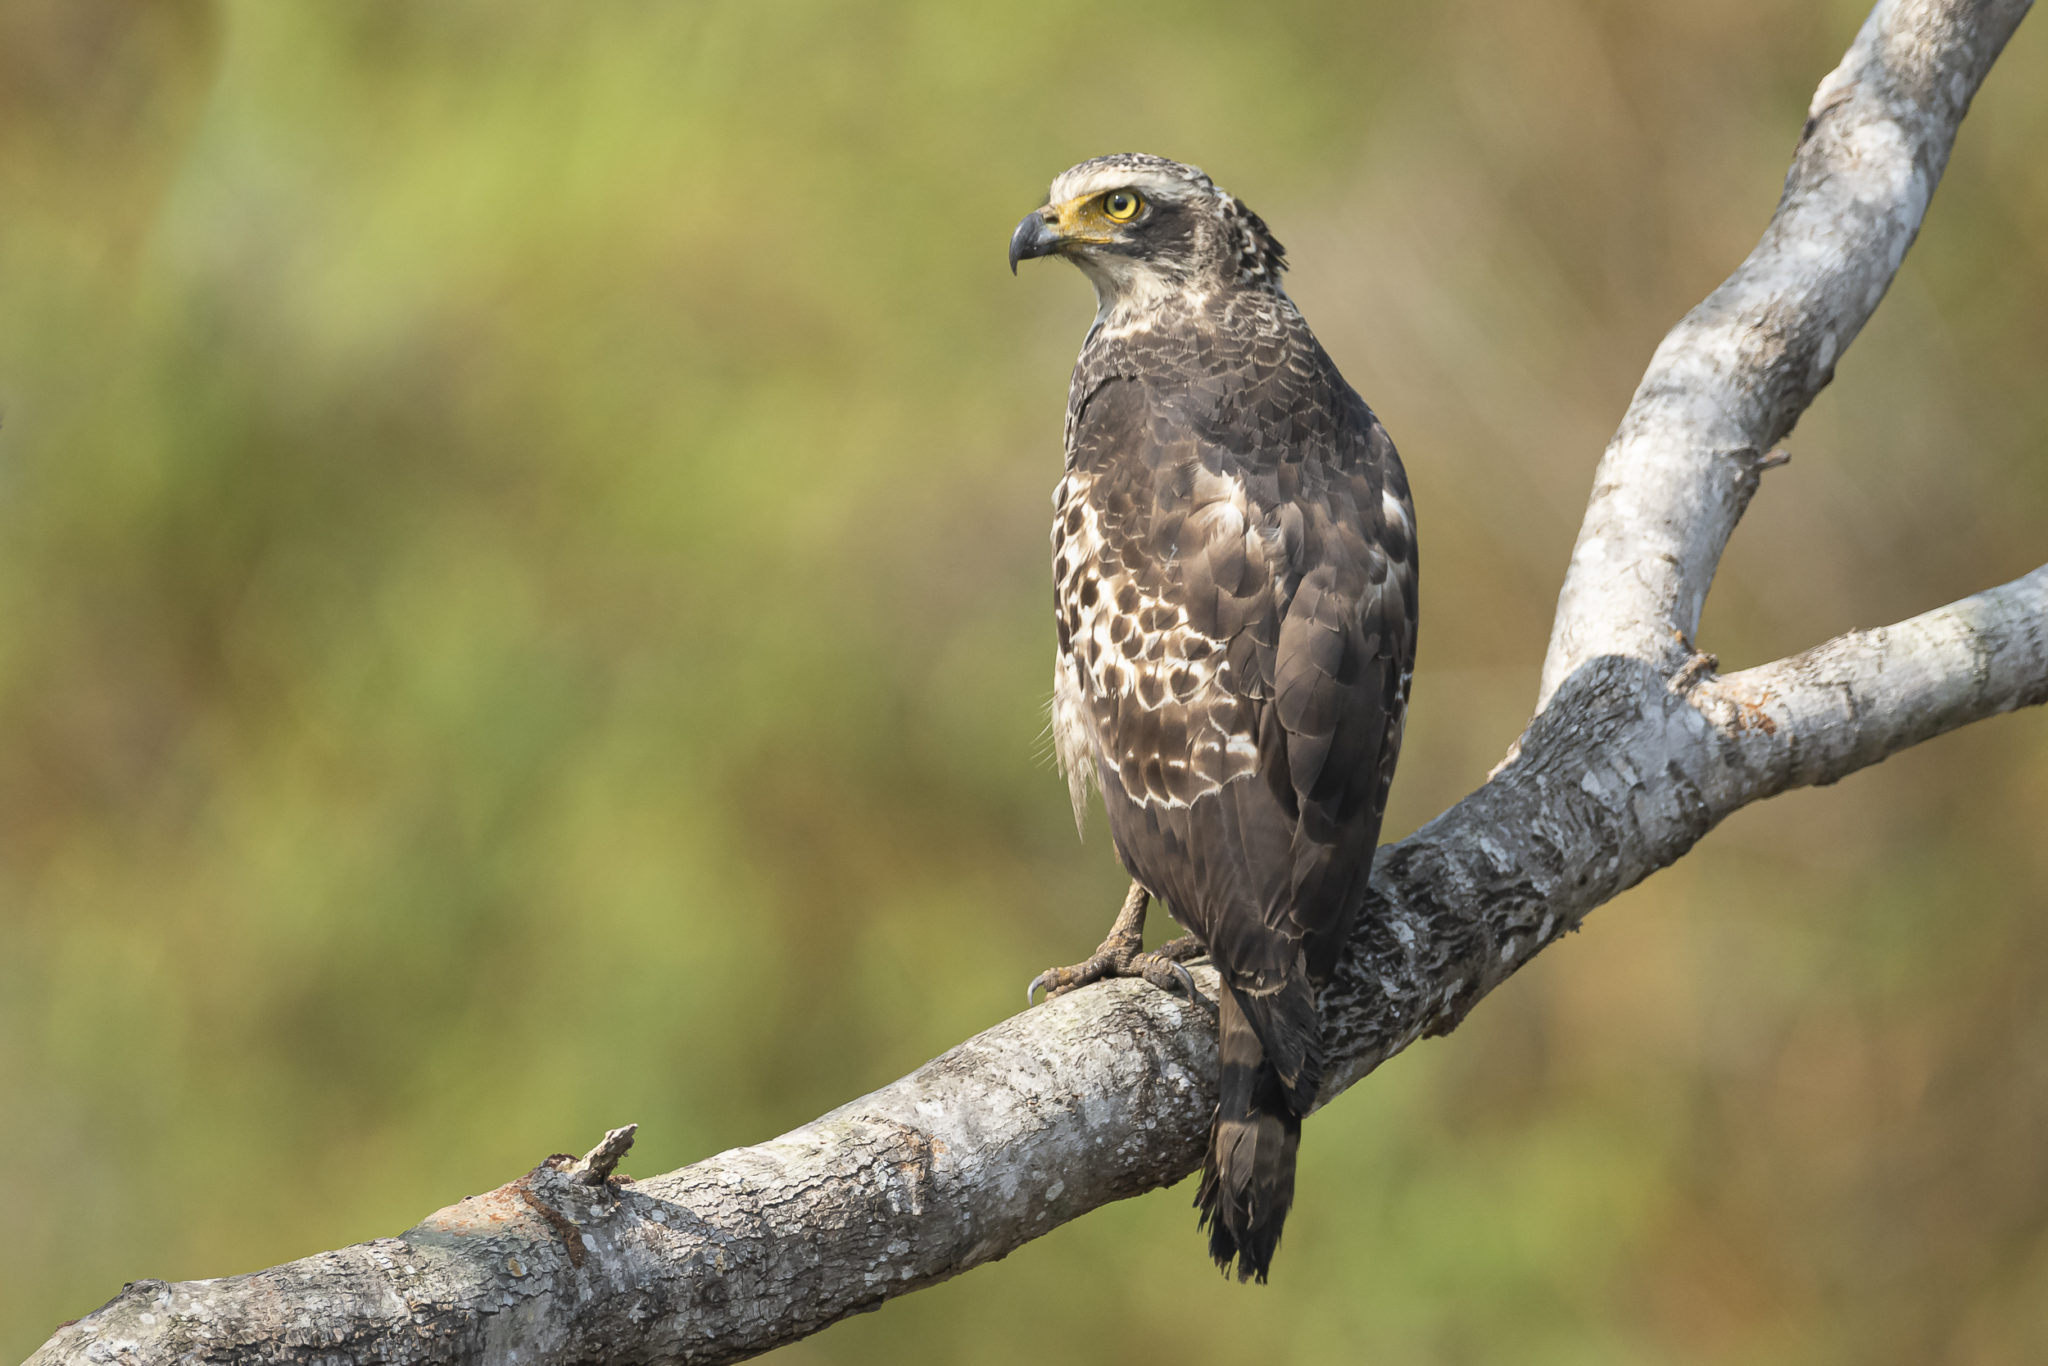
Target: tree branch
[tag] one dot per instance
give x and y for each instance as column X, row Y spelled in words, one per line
column 1635, row 754
column 1623, row 773
column 1819, row 716
column 1729, row 381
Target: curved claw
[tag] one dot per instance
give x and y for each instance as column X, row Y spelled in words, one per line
column 1043, row 981
column 1187, row 980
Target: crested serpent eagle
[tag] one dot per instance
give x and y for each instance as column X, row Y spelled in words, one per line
column 1235, row 586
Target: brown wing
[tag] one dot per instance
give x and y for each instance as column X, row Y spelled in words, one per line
column 1237, row 608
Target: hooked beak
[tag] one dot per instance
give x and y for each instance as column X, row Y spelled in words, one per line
column 1034, row 237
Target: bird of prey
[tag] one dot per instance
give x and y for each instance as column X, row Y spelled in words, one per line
column 1235, row 590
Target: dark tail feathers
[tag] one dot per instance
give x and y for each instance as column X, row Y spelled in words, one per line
column 1248, row 1175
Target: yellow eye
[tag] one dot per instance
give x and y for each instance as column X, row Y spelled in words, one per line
column 1122, row 205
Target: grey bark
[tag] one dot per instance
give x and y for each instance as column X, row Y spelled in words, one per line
column 1730, row 380
column 1637, row 750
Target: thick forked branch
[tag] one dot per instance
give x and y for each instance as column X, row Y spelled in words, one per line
column 1636, row 753
column 1624, row 772
column 1730, row 380
column 1101, row 1094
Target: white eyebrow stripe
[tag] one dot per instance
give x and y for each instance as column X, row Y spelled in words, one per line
column 1099, row 178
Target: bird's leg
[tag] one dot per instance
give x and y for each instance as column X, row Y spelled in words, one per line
column 1123, row 955
column 1126, row 937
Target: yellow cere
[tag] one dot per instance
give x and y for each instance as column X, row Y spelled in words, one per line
column 1088, row 219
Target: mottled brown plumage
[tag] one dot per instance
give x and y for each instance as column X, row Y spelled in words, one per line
column 1235, row 590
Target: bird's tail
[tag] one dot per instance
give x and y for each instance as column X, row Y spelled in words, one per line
column 1248, row 1175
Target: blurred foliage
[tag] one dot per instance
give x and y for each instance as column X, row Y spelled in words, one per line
column 523, row 606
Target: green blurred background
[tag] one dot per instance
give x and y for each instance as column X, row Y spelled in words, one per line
column 523, row 606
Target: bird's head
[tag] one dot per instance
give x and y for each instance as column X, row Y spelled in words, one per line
column 1142, row 227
